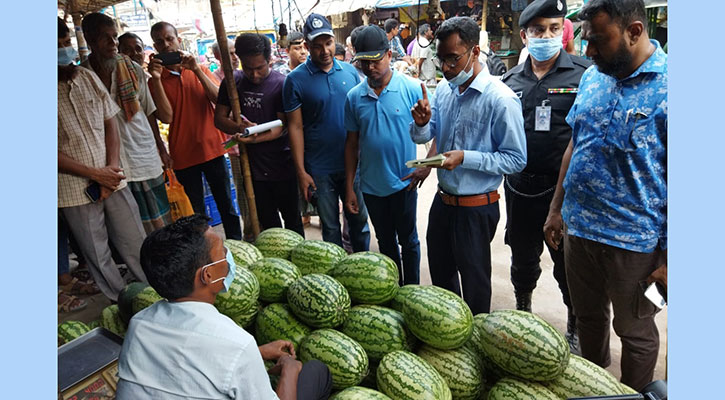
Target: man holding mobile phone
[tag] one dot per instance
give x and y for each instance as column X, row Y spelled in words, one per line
column 88, row 154
column 195, row 144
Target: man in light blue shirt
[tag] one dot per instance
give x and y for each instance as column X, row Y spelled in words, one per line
column 477, row 124
column 183, row 348
column 314, row 100
column 377, row 121
column 613, row 185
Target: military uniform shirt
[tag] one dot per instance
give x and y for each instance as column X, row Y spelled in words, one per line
column 545, row 149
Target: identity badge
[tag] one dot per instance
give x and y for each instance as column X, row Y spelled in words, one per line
column 543, row 117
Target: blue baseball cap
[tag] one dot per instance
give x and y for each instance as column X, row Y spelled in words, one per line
column 317, row 25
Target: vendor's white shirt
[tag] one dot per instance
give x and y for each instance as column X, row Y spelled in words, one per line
column 188, row 350
column 139, row 156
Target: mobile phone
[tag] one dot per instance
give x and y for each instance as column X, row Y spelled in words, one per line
column 170, row 58
column 312, row 195
column 652, row 293
column 93, row 191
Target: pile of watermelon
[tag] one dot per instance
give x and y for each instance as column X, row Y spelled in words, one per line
column 381, row 341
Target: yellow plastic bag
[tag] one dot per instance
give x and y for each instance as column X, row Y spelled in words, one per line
column 179, row 203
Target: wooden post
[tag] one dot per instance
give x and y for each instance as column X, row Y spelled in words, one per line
column 72, row 9
column 221, row 37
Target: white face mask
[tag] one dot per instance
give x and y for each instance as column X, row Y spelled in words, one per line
column 462, row 76
column 66, row 55
column 230, row 273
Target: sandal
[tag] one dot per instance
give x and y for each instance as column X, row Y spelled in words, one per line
column 76, row 286
column 68, row 303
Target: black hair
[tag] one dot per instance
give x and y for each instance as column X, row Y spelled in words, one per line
column 423, row 29
column 170, row 256
column 63, row 30
column 92, row 24
column 467, row 29
column 294, row 36
column 161, row 25
column 252, row 44
column 391, row 24
column 339, row 49
column 354, row 33
column 624, row 12
column 129, row 35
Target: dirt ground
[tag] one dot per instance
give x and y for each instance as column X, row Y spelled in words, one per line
column 547, row 301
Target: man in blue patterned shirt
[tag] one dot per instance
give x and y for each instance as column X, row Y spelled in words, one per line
column 615, row 190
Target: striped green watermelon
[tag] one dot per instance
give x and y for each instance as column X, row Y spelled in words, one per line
column 492, row 371
column 369, row 277
column 583, row 378
column 125, row 299
column 438, row 317
column 515, row 389
column 246, row 319
column 245, row 254
column 396, row 303
column 145, row 298
column 316, row 256
column 379, row 330
column 626, row 389
column 241, row 299
column 403, row 375
column 319, row 300
column 94, row 324
column 70, row 330
column 461, row 369
column 278, row 242
column 274, row 276
column 524, row 345
column 111, row 320
column 345, row 358
column 359, row 393
column 276, row 322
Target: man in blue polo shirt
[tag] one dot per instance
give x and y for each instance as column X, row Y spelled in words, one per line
column 314, row 100
column 377, row 121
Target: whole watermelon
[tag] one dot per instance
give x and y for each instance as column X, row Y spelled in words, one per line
column 276, row 322
column 125, row 299
column 70, row 330
column 245, row 254
column 396, row 303
column 379, row 330
column 369, row 277
column 524, row 345
column 516, row 389
column 144, row 299
column 403, row 375
column 461, row 369
column 111, row 320
column 345, row 358
column 274, row 276
column 319, row 300
column 278, row 242
column 438, row 317
column 583, row 378
column 359, row 393
column 240, row 301
column 316, row 256
column 475, row 343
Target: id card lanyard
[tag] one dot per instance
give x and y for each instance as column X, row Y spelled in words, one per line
column 543, row 117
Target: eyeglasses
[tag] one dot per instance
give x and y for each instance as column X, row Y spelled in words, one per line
column 450, row 62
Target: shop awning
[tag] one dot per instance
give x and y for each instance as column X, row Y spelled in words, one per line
column 334, row 7
column 400, row 3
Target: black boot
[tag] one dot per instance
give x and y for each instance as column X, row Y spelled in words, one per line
column 571, row 336
column 523, row 301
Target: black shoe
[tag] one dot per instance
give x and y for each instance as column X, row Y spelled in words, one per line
column 523, row 301
column 571, row 336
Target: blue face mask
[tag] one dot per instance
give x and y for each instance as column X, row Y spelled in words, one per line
column 544, row 49
column 462, row 76
column 230, row 273
column 66, row 55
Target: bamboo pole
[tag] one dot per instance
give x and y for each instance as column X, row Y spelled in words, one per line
column 221, row 37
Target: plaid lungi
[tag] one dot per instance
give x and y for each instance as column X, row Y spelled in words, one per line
column 153, row 205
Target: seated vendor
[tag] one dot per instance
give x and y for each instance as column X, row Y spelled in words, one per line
column 183, row 348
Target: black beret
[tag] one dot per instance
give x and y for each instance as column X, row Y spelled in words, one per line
column 542, row 8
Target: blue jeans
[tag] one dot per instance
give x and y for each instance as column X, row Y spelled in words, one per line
column 330, row 190
column 394, row 219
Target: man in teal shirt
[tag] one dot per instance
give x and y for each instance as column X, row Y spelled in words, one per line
column 377, row 121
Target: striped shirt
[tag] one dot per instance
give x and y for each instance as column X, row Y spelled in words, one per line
column 83, row 105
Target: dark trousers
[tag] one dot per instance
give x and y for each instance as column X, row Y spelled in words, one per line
column 600, row 275
column 314, row 381
column 394, row 219
column 459, row 241
column 275, row 198
column 63, row 262
column 525, row 217
column 215, row 172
